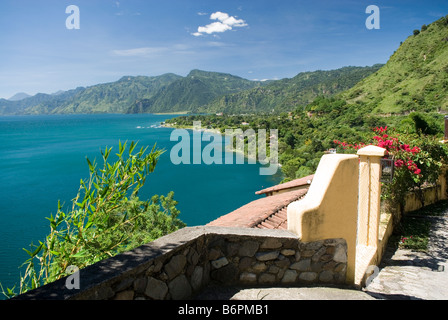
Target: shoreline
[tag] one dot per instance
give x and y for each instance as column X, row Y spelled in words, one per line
column 227, row 148
column 170, row 113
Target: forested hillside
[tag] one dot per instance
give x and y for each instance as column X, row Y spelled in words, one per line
column 288, row 94
column 408, row 95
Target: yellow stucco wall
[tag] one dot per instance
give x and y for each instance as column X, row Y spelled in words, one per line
column 329, row 210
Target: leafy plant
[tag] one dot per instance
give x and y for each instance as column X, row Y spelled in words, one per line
column 417, row 160
column 106, row 218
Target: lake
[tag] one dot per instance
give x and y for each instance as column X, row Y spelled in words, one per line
column 43, row 159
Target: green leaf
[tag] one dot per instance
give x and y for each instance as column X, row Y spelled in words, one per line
column 80, row 254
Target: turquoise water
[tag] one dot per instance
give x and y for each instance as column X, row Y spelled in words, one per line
column 42, row 160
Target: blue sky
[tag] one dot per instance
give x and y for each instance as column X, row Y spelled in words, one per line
column 253, row 39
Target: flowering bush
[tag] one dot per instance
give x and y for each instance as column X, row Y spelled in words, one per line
column 417, row 159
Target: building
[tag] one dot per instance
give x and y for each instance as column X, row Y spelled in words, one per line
column 269, row 212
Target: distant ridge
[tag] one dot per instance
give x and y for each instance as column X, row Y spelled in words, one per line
column 19, row 96
column 198, row 92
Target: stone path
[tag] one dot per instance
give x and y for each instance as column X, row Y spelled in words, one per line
column 410, row 275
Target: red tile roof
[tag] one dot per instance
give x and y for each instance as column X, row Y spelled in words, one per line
column 294, row 184
column 264, row 213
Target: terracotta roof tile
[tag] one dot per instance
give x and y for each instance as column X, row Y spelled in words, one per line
column 265, row 213
column 302, row 182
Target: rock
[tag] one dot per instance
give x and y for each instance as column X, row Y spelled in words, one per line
column 340, row 254
column 288, row 252
column 248, row 249
column 196, row 278
column 180, row 288
column 245, row 263
column 290, row 276
column 175, row 266
column 266, row 278
column 340, row 267
column 315, row 245
column 104, row 293
column 308, row 253
column 140, row 285
column 319, row 254
column 232, row 249
column 193, row 257
column 259, row 267
column 227, row 274
column 220, row 263
column 282, row 263
column 271, row 243
column 274, row 269
column 126, row 283
column 266, row 256
column 326, row 276
column 302, row 265
column 248, row 277
column 125, row 295
column 214, row 254
column 308, row 276
column 156, row 289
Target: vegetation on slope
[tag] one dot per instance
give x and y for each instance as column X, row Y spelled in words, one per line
column 288, row 94
column 414, row 79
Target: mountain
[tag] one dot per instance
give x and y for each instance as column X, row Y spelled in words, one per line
column 39, row 103
column 193, row 92
column 114, row 97
column 288, row 94
column 414, row 79
column 19, row 96
column 198, row 92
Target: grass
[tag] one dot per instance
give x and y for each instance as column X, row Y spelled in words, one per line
column 413, row 231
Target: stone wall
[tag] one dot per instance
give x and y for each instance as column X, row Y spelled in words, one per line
column 180, row 265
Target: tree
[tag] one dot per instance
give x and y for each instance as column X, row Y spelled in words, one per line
column 106, row 218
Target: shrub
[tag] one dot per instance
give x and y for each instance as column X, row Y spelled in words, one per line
column 418, row 160
column 107, row 218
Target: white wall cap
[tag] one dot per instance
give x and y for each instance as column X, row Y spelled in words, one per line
column 372, row 151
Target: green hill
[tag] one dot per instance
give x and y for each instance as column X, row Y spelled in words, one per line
column 193, row 92
column 288, row 94
column 114, row 97
column 414, row 79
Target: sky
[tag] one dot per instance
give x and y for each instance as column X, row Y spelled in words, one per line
column 46, row 46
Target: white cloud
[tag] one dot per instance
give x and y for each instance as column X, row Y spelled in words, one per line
column 224, row 23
